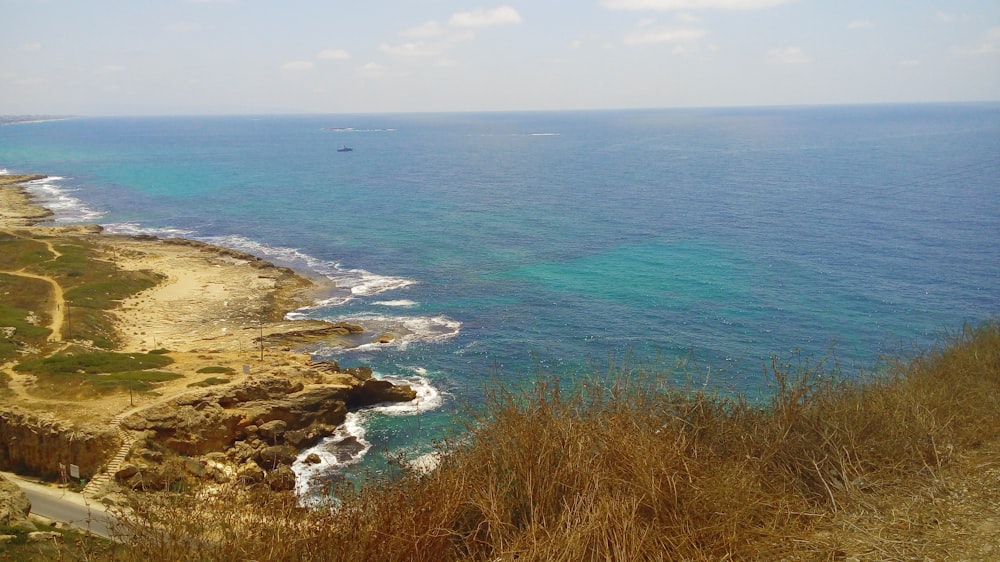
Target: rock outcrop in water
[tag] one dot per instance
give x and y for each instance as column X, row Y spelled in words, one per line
column 250, row 431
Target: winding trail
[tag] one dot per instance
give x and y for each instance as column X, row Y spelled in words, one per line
column 58, row 306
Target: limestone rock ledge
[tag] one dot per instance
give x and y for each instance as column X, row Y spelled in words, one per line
column 250, row 431
column 14, row 506
column 36, row 444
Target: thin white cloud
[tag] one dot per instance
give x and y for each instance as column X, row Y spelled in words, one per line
column 647, row 35
column 433, row 38
column 426, row 30
column 990, row 45
column 426, row 48
column 334, row 54
column 680, row 5
column 787, row 55
column 413, row 49
column 687, row 18
column 111, row 69
column 212, row 1
column 298, row 65
column 975, row 50
column 950, row 17
column 27, row 47
column 503, row 15
column 860, row 24
column 372, row 70
column 909, row 62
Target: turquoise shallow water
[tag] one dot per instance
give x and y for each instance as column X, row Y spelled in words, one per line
column 504, row 244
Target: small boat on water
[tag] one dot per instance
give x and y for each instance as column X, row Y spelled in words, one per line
column 345, row 149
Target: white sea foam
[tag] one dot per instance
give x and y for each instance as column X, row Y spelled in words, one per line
column 53, row 195
column 136, row 229
column 428, row 398
column 401, row 302
column 3, row 172
column 543, row 134
column 353, row 130
column 368, row 283
column 348, row 445
column 345, row 447
column 425, row 464
column 351, row 282
column 406, row 329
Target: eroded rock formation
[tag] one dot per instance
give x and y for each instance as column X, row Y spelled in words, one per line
column 14, row 505
column 37, row 444
column 250, row 431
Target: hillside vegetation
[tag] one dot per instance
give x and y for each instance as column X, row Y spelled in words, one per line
column 901, row 466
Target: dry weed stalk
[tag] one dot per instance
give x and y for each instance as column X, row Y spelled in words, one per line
column 626, row 468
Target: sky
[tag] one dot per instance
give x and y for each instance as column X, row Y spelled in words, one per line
column 163, row 57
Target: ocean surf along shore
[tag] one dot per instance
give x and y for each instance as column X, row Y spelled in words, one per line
column 488, row 247
column 174, row 352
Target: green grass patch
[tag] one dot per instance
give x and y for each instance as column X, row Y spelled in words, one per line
column 106, row 293
column 210, row 381
column 19, row 296
column 25, row 333
column 88, row 324
column 215, row 369
column 139, row 381
column 75, row 261
column 90, row 284
column 16, row 253
column 88, row 374
column 93, row 363
column 24, row 292
column 17, row 318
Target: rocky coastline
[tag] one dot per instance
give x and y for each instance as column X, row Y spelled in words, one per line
column 249, row 432
column 214, row 310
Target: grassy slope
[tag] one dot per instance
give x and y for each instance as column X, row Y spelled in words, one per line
column 628, row 471
column 92, row 286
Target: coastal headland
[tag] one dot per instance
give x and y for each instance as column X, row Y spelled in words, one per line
column 158, row 362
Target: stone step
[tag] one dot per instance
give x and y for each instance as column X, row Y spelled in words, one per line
column 98, row 481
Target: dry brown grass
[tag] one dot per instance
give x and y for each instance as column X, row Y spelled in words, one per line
column 631, row 470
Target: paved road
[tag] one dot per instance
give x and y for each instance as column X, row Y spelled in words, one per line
column 68, row 507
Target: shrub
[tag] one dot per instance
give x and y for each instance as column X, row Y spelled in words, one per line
column 210, row 381
column 93, row 362
column 215, row 369
column 626, row 468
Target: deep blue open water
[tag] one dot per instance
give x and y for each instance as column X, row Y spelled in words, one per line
column 506, row 244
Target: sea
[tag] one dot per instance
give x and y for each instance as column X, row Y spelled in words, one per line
column 503, row 247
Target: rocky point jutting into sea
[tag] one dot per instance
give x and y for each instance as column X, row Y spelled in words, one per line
column 229, row 399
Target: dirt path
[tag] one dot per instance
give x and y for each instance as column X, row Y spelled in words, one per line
column 58, row 306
